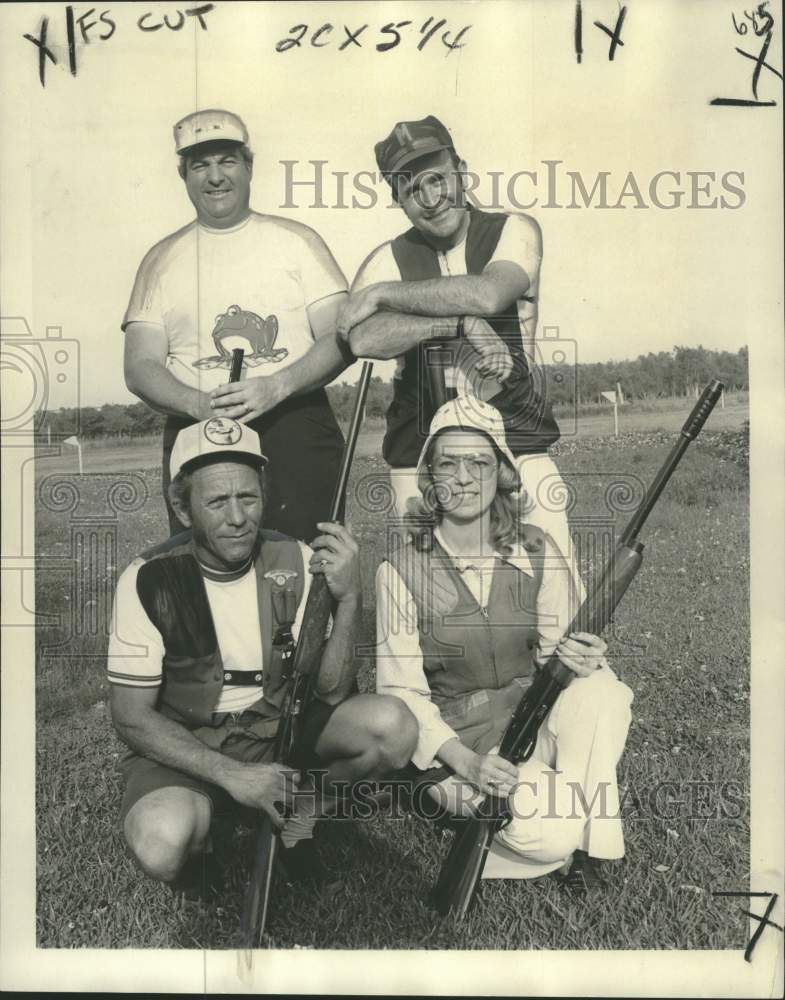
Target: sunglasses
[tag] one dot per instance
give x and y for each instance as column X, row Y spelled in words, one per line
column 478, row 466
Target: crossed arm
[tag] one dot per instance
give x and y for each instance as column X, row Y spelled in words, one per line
column 386, row 319
column 146, row 374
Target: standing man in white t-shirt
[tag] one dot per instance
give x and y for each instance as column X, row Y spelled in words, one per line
column 465, row 275
column 236, row 278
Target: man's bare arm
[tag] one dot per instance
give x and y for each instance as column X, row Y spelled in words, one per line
column 327, row 357
column 147, row 376
column 337, row 556
column 486, row 294
column 151, row 734
column 338, row 670
column 389, row 334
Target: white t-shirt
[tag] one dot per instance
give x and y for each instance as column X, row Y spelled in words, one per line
column 519, row 242
column 249, row 286
column 231, row 602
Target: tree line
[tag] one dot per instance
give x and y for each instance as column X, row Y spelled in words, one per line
column 680, row 372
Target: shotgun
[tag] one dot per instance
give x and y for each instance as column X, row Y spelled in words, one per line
column 237, row 364
column 463, row 867
column 437, row 356
column 304, row 673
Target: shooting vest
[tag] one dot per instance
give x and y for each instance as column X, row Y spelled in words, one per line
column 172, row 592
column 528, row 419
column 478, row 661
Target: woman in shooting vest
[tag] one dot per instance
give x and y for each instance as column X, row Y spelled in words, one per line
column 467, row 609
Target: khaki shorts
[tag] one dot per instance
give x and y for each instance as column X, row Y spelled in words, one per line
column 247, row 736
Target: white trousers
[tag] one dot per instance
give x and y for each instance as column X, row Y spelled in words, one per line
column 545, row 503
column 567, row 796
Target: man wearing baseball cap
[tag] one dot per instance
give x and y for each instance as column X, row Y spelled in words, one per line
column 236, row 278
column 469, row 276
column 203, row 628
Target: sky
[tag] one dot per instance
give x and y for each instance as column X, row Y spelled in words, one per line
column 89, row 182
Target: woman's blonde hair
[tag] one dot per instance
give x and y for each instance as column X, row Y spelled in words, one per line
column 506, row 506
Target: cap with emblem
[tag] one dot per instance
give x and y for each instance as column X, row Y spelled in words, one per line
column 213, row 437
column 410, row 140
column 209, row 126
column 467, row 413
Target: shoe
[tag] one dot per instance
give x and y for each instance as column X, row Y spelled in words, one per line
column 584, row 874
column 301, row 863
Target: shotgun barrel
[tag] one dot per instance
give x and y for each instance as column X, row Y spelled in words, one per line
column 304, row 672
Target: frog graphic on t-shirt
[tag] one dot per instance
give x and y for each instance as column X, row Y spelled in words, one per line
column 243, row 325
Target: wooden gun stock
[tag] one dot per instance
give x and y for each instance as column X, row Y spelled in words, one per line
column 437, row 356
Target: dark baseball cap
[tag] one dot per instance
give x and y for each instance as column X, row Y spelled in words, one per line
column 409, row 141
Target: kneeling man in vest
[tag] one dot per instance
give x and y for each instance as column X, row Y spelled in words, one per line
column 203, row 628
column 468, row 277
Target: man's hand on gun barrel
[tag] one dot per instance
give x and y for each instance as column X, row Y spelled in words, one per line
column 336, row 555
column 248, row 399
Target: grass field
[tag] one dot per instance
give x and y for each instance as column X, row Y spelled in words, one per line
column 681, row 642
column 111, row 455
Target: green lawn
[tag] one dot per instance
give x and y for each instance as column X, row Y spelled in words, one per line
column 680, row 640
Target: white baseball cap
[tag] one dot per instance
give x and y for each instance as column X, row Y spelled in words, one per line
column 209, row 126
column 213, row 437
column 468, row 413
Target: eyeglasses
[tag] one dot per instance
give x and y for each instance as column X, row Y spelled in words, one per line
column 478, row 466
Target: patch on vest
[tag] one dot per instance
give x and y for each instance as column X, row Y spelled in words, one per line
column 284, row 596
column 280, row 577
